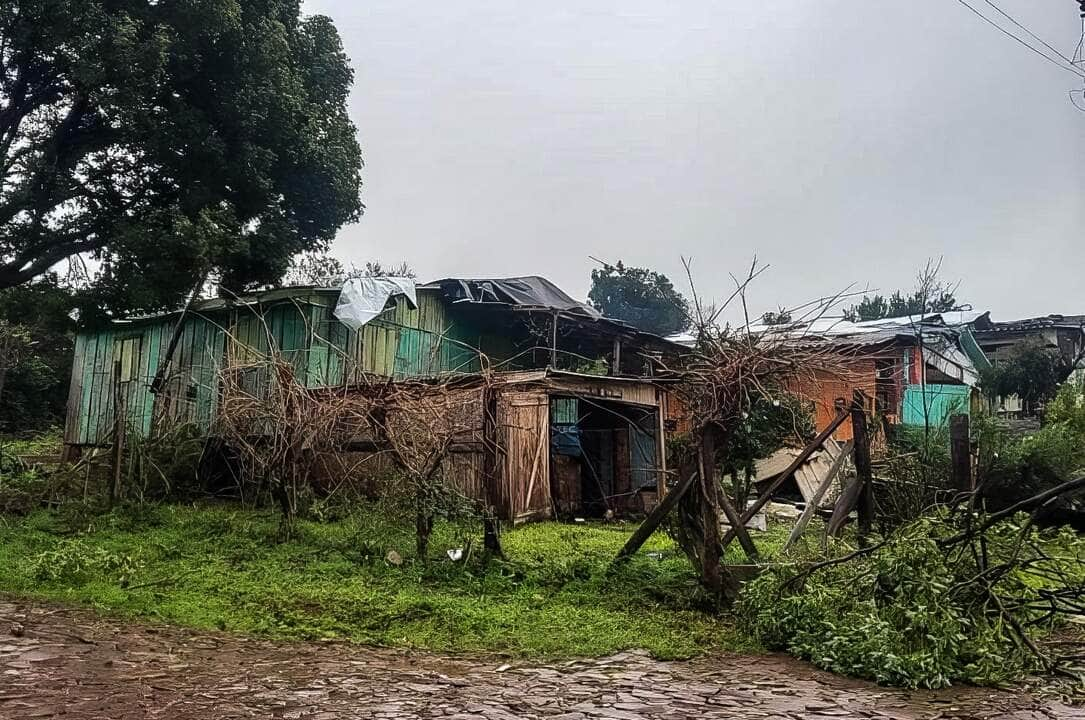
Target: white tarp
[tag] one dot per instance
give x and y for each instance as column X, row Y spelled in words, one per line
column 363, row 299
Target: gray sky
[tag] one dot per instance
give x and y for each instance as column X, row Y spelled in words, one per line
column 841, row 141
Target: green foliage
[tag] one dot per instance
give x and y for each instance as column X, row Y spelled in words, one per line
column 21, row 488
column 766, row 427
column 780, row 317
column 35, row 390
column 1033, row 372
column 75, row 561
column 643, row 298
column 1067, row 408
column 169, row 139
column 917, row 474
column 877, row 307
column 1014, row 467
column 226, row 568
column 931, row 295
column 910, row 613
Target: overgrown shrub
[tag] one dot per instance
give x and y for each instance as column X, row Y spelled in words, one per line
column 1011, row 467
column 165, row 464
column 75, row 561
column 912, row 613
column 916, row 475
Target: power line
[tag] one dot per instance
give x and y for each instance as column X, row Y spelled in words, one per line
column 1009, row 17
column 1073, row 68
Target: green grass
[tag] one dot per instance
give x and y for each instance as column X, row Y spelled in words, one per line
column 556, row 595
column 43, row 443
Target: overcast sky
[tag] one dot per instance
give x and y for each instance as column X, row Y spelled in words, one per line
column 839, row 141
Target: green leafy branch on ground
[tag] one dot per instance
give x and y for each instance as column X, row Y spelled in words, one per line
column 913, row 612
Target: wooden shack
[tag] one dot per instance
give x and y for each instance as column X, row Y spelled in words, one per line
column 570, row 443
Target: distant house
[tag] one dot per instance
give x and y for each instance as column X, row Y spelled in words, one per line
column 1064, row 334
column 578, row 396
column 914, row 372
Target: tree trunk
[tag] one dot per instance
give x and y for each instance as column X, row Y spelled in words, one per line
column 491, row 537
column 423, row 526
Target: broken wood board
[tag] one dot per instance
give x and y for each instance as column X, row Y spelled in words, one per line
column 757, row 522
column 809, row 475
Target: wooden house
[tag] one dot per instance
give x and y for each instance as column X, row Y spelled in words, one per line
column 581, row 419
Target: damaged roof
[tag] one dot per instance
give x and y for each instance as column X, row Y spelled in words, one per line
column 984, row 324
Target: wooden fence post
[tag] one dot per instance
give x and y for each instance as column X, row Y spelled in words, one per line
column 721, row 502
column 862, row 465
column 711, row 575
column 960, row 453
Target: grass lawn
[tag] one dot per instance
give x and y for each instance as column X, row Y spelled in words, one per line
column 214, row 567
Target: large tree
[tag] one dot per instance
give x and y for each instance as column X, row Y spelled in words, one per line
column 170, row 139
column 643, row 298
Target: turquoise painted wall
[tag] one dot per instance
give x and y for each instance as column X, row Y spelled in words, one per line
column 936, row 402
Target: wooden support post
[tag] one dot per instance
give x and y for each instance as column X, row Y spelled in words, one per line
column 763, row 500
column 815, row 501
column 708, row 465
column 960, row 453
column 711, row 576
column 159, row 380
column 661, row 444
column 491, row 527
column 119, row 426
column 655, row 518
column 554, row 340
column 616, row 362
column 862, row 466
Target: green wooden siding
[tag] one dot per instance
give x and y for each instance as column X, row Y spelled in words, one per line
column 402, row 342
column 934, row 403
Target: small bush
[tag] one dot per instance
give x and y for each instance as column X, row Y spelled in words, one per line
column 74, row 561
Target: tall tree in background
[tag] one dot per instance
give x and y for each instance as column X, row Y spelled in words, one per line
column 643, row 298
column 169, row 139
column 931, row 295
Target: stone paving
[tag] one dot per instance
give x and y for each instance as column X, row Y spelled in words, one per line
column 61, row 662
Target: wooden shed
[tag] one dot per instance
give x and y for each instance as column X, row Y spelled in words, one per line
column 543, row 443
column 578, row 445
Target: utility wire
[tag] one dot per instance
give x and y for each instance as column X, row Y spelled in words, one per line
column 1009, row 17
column 1073, row 68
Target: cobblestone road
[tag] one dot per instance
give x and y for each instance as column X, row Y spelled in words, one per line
column 59, row 662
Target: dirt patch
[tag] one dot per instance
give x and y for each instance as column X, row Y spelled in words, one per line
column 65, row 662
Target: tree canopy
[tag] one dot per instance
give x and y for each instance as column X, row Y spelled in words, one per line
column 171, row 139
column 1033, row 373
column 877, row 307
column 643, row 298
column 931, row 295
column 35, row 353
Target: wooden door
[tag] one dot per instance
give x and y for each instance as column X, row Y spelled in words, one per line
column 525, row 418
